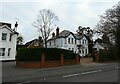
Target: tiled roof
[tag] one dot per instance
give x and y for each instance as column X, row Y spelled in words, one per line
column 8, row 26
column 66, row 33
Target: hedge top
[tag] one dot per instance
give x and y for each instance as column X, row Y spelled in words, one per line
column 34, row 54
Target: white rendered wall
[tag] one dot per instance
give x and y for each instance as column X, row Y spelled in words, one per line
column 8, row 44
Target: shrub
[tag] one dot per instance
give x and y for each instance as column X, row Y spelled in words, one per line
column 113, row 53
column 34, row 54
column 103, row 55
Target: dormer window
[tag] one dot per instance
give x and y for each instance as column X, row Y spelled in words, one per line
column 4, row 36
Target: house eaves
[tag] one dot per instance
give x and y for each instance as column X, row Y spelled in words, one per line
column 5, row 26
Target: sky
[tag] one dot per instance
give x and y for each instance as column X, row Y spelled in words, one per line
column 71, row 14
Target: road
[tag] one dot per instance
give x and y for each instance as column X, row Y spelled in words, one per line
column 99, row 72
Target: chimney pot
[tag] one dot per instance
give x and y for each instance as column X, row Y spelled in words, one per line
column 57, row 31
column 53, row 34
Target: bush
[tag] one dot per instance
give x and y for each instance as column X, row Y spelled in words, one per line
column 113, row 53
column 93, row 58
column 110, row 54
column 34, row 54
column 104, row 54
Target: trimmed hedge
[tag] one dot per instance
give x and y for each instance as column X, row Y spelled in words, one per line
column 110, row 54
column 103, row 55
column 34, row 54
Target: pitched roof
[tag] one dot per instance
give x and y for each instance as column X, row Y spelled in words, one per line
column 8, row 26
column 103, row 44
column 28, row 43
column 65, row 33
column 79, row 36
column 3, row 23
column 98, row 40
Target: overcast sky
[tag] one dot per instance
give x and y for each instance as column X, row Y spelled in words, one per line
column 71, row 13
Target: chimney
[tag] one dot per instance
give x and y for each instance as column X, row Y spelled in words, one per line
column 40, row 39
column 57, row 31
column 53, row 34
column 16, row 25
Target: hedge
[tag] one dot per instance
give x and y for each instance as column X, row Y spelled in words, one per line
column 104, row 54
column 34, row 54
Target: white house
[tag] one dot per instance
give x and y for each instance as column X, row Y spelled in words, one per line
column 8, row 38
column 70, row 41
column 99, row 45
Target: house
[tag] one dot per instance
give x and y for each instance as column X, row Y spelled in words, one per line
column 36, row 43
column 99, row 45
column 70, row 41
column 8, row 41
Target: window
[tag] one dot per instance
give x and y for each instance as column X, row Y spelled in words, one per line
column 10, row 37
column 82, row 51
column 79, row 51
column 83, row 41
column 2, row 51
column 4, row 36
column 68, row 40
column 86, row 51
column 9, row 51
column 65, row 40
column 50, row 43
column 72, row 40
column 75, row 41
column 36, row 43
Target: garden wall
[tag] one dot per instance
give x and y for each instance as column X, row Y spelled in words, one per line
column 48, row 63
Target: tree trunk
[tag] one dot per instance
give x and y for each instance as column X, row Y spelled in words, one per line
column 45, row 43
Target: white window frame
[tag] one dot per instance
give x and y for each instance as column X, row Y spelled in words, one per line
column 2, row 51
column 9, row 50
column 4, row 38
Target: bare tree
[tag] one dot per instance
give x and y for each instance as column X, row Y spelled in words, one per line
column 45, row 22
column 110, row 23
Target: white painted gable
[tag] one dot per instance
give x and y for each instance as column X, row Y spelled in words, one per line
column 70, row 43
column 98, row 46
column 8, row 45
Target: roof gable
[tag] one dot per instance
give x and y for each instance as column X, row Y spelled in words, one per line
column 10, row 29
column 63, row 34
column 66, row 33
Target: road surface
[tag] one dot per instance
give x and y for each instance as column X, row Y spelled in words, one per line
column 99, row 72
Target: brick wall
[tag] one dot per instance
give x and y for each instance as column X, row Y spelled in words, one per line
column 48, row 63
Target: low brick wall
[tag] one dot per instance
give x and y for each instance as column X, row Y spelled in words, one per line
column 48, row 63
column 52, row 63
column 69, row 62
column 28, row 64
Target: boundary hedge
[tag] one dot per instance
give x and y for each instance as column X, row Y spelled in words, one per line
column 34, row 54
